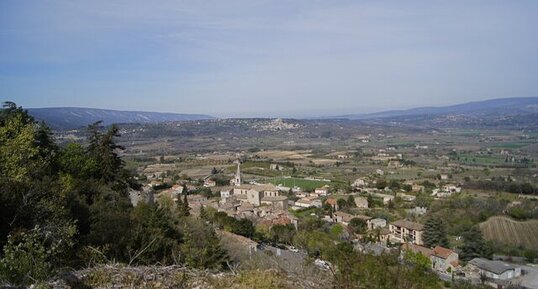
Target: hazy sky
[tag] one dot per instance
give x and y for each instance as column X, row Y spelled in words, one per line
column 269, row 58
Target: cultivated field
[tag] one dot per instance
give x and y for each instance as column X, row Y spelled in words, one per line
column 511, row 232
column 284, row 155
column 305, row 184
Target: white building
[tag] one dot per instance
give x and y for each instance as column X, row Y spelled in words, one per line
column 323, row 191
column 225, row 194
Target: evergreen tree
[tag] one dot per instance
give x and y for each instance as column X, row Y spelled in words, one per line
column 201, row 246
column 243, row 227
column 435, row 233
column 179, row 205
column 186, row 208
column 154, row 238
column 103, row 148
column 341, row 204
column 474, row 245
column 358, row 226
column 203, row 213
column 183, row 206
column 351, row 202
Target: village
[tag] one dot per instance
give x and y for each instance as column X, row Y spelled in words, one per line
column 356, row 214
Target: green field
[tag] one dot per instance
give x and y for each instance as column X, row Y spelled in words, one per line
column 477, row 159
column 307, row 185
column 302, row 213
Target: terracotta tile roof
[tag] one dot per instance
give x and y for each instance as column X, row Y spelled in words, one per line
column 442, row 252
column 331, row 201
column 281, row 221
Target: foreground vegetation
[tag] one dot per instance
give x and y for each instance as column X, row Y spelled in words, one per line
column 68, row 207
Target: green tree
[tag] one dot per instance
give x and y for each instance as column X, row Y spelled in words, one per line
column 474, row 245
column 417, row 259
column 282, row 233
column 203, row 214
column 530, row 255
column 183, row 207
column 314, row 242
column 22, row 156
column 243, row 227
column 381, row 184
column 351, row 201
column 201, row 247
column 29, row 193
column 435, row 233
column 394, row 185
column 104, row 150
column 341, row 204
column 154, row 239
column 358, row 226
column 110, row 227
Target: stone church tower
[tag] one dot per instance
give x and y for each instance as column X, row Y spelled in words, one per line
column 237, row 179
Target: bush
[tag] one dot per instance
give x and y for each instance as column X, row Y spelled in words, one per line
column 31, row 256
column 519, row 213
column 530, row 255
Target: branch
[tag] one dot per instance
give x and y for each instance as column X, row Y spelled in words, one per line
column 142, row 251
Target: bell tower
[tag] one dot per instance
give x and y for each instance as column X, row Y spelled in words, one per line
column 237, row 178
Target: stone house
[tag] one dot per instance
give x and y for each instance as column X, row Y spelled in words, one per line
column 377, row 223
column 443, row 259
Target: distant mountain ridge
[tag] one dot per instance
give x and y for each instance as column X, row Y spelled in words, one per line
column 77, row 117
column 493, row 112
column 516, row 105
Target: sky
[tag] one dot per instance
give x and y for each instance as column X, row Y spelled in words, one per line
column 251, row 58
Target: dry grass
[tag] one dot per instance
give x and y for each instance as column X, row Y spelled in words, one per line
column 160, row 277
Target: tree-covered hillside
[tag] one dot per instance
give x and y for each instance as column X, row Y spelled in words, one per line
column 69, row 207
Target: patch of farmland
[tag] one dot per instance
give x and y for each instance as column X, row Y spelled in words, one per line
column 305, row 184
column 284, row 155
column 512, row 232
